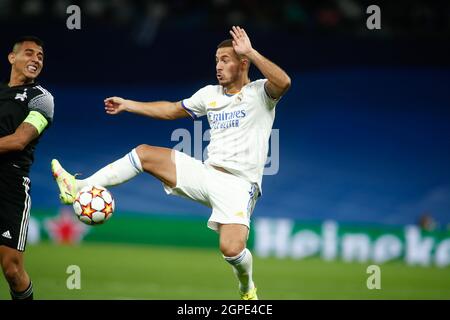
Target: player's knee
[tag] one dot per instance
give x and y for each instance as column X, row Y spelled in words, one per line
column 145, row 154
column 142, row 151
column 232, row 248
column 152, row 158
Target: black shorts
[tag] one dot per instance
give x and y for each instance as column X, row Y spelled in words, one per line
column 15, row 204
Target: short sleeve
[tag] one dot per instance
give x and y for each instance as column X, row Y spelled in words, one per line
column 269, row 102
column 43, row 104
column 195, row 105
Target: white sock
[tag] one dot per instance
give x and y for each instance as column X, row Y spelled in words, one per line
column 242, row 267
column 115, row 173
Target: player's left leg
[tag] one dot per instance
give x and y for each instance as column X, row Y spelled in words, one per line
column 11, row 260
column 15, row 204
column 233, row 242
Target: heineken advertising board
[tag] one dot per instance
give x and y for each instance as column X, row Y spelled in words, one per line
column 331, row 240
column 281, row 238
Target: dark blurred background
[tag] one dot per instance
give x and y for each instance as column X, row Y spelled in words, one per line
column 364, row 129
column 149, row 38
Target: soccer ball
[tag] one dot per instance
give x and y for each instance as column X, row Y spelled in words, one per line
column 93, row 205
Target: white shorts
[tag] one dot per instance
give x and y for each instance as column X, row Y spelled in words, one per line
column 231, row 198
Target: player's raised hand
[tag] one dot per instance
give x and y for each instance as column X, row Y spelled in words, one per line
column 115, row 105
column 241, row 42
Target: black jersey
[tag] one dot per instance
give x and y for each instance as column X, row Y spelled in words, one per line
column 15, row 105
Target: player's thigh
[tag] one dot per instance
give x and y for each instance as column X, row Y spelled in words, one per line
column 15, row 205
column 159, row 162
column 191, row 179
column 232, row 198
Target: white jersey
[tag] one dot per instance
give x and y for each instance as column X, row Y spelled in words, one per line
column 240, row 124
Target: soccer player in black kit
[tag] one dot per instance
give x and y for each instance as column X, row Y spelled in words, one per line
column 26, row 110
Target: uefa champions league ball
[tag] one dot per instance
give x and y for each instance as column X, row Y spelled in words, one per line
column 93, row 205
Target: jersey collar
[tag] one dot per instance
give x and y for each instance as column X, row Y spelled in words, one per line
column 4, row 85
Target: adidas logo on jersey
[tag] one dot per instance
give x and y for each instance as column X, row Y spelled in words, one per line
column 6, row 234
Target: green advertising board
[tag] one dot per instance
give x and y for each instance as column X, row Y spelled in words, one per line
column 281, row 238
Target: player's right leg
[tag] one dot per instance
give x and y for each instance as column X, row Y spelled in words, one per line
column 154, row 160
column 159, row 162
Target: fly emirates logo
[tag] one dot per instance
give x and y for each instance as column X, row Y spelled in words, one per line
column 225, row 120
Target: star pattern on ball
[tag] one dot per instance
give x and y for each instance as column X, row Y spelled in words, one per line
column 108, row 209
column 93, row 205
column 87, row 210
column 96, row 192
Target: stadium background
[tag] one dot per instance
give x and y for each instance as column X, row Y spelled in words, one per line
column 363, row 145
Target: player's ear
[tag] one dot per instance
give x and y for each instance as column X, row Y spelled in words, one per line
column 245, row 63
column 12, row 58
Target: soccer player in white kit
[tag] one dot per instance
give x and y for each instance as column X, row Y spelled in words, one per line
column 240, row 113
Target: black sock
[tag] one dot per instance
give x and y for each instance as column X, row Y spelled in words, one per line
column 24, row 295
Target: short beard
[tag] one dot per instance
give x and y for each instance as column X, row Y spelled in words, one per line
column 224, row 84
column 228, row 82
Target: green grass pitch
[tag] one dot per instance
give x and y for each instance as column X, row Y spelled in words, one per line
column 111, row 271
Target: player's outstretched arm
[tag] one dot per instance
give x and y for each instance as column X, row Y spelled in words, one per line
column 163, row 110
column 278, row 81
column 17, row 141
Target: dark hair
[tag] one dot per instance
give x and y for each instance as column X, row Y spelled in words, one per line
column 229, row 43
column 225, row 43
column 34, row 39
